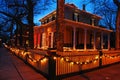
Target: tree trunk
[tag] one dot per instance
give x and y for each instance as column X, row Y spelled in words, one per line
column 118, row 29
column 60, row 25
column 30, row 22
column 117, row 24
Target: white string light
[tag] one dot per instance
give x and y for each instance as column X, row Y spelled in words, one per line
column 66, row 59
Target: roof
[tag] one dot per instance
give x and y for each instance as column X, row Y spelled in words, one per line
column 72, row 6
column 75, row 24
column 47, row 16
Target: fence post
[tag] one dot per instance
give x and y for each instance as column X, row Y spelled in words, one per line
column 52, row 69
column 100, row 59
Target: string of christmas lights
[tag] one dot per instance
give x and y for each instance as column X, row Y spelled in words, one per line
column 80, row 62
column 111, row 57
column 66, row 59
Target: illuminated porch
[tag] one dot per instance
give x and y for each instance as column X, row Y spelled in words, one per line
column 85, row 37
column 77, row 36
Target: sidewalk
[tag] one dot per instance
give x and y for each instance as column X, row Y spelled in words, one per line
column 111, row 72
column 12, row 68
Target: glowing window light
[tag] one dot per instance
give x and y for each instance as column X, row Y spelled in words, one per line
column 43, row 40
column 38, row 44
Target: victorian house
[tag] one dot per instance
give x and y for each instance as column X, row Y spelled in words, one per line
column 81, row 31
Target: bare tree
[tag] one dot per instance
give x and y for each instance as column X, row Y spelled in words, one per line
column 117, row 2
column 106, row 9
column 22, row 13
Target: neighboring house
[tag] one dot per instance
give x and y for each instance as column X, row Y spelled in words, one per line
column 21, row 37
column 81, row 31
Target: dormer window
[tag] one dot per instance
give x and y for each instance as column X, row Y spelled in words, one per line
column 76, row 17
column 54, row 17
column 50, row 19
column 93, row 22
column 42, row 22
column 45, row 21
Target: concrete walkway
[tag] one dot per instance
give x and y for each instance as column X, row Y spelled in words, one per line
column 111, row 72
column 12, row 68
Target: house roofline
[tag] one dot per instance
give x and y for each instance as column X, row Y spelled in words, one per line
column 74, row 8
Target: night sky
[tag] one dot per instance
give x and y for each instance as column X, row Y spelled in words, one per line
column 78, row 3
column 90, row 7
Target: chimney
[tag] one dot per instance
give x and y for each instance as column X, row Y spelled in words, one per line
column 84, row 7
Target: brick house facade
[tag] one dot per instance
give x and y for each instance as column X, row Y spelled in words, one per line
column 79, row 30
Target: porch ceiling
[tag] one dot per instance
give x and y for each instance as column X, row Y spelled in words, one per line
column 83, row 25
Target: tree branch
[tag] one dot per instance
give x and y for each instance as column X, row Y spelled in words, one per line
column 116, row 2
column 13, row 17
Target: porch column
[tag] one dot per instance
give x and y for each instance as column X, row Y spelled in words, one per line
column 101, row 40
column 38, row 44
column 74, row 38
column 85, row 37
column 52, row 35
column 108, row 41
column 43, row 40
column 94, row 46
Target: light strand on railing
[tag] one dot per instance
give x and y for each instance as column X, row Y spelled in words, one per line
column 66, row 59
column 111, row 57
column 42, row 60
column 80, row 63
column 88, row 61
column 15, row 50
